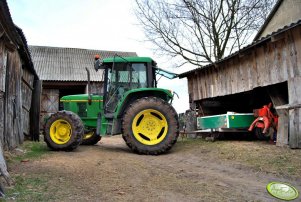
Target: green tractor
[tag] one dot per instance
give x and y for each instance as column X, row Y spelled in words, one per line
column 131, row 105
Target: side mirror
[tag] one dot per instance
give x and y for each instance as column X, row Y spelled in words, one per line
column 98, row 63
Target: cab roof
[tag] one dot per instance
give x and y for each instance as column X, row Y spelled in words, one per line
column 127, row 59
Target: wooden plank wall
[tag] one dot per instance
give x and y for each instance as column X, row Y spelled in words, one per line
column 268, row 63
column 96, row 88
column 27, row 88
column 294, row 86
column 49, row 104
column 16, row 85
column 2, row 88
column 13, row 133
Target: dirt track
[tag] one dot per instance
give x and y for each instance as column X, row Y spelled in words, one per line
column 109, row 171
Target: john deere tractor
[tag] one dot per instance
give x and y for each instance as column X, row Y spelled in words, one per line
column 131, row 105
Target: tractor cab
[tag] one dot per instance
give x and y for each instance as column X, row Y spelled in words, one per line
column 124, row 75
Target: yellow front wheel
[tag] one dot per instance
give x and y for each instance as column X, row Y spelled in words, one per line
column 63, row 131
column 60, row 131
column 150, row 126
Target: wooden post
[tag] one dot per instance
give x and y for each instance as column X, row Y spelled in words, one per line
column 282, row 133
column 280, row 104
column 295, row 128
column 35, row 111
column 294, row 92
column 3, row 168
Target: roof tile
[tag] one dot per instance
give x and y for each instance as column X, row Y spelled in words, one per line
column 68, row 64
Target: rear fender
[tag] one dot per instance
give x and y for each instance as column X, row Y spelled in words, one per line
column 135, row 94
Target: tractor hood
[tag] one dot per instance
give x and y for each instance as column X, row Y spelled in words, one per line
column 81, row 98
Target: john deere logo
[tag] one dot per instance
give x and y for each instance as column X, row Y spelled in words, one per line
column 282, row 191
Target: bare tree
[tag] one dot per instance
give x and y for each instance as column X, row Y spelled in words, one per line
column 200, row 31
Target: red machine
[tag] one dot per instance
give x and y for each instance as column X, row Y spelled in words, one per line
column 264, row 122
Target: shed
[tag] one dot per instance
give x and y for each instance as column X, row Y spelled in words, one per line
column 19, row 85
column 267, row 70
column 62, row 72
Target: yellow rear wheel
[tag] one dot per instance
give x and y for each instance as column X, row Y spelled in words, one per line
column 150, row 127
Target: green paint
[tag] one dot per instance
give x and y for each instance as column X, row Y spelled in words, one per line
column 128, row 59
column 125, row 83
column 156, row 92
column 229, row 120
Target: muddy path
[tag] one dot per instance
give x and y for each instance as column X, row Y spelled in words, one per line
column 109, row 171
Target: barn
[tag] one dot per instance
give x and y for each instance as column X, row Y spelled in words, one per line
column 63, row 72
column 19, row 85
column 267, row 70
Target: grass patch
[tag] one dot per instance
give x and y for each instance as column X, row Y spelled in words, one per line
column 27, row 186
column 28, row 150
column 257, row 155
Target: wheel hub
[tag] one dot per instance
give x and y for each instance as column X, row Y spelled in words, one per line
column 150, row 127
column 60, row 131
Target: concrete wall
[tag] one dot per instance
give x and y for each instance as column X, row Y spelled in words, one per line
column 288, row 12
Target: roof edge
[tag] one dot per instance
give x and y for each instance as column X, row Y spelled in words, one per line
column 270, row 16
column 255, row 43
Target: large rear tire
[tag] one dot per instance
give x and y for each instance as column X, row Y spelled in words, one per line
column 63, row 131
column 150, row 126
column 90, row 138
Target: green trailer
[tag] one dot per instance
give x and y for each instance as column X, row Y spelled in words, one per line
column 230, row 122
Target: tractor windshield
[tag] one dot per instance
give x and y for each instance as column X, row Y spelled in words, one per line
column 122, row 78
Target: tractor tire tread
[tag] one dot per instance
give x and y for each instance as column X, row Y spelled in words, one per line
column 77, row 135
column 163, row 107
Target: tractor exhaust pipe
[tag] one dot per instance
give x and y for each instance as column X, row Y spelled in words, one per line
column 89, row 87
column 98, row 124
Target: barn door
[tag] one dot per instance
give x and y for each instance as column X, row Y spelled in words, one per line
column 49, row 103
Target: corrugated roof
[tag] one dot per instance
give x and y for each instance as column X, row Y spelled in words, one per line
column 68, row 64
column 254, row 43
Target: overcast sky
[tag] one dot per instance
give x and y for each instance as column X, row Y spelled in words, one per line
column 91, row 24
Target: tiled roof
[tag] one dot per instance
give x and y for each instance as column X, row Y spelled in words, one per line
column 253, row 44
column 68, row 64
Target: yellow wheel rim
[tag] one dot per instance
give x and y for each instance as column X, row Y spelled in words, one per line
column 60, row 131
column 150, row 127
column 88, row 135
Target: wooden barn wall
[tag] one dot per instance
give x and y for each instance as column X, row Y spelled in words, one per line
column 2, row 88
column 294, row 86
column 268, row 63
column 16, row 85
column 274, row 61
column 49, row 104
column 27, row 89
column 96, row 88
column 13, row 133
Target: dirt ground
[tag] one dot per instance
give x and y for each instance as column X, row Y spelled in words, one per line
column 194, row 170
